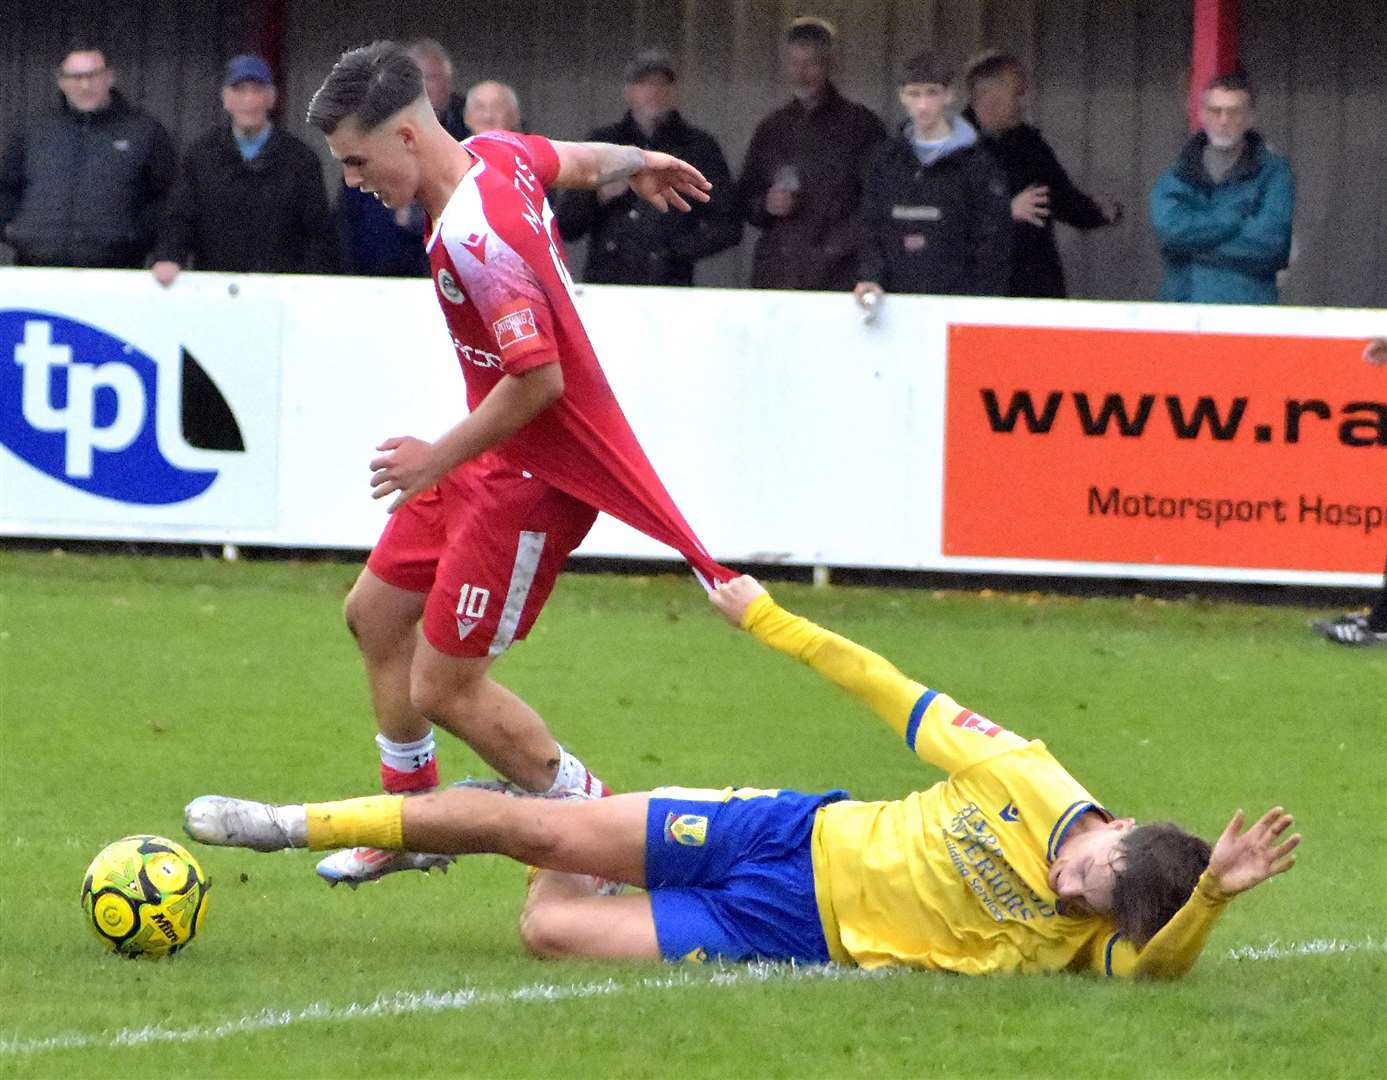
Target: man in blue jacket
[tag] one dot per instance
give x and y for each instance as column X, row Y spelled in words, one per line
column 1223, row 211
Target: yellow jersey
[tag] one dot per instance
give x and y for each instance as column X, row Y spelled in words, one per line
column 955, row 877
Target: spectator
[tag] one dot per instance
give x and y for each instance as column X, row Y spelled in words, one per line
column 491, row 106
column 801, row 184
column 632, row 242
column 1041, row 191
column 82, row 186
column 249, row 197
column 377, row 241
column 1223, row 211
column 936, row 215
column 437, row 68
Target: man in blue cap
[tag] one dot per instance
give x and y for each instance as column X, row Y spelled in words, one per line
column 249, row 198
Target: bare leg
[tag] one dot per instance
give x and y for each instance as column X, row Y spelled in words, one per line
column 562, row 919
column 458, row 694
column 601, row 837
column 573, row 841
column 382, row 618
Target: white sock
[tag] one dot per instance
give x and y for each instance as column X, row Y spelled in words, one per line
column 406, row 756
column 574, row 776
column 293, row 819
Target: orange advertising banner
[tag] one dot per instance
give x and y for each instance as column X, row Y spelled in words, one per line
column 1134, row 446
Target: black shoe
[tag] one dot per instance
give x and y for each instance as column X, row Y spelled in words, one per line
column 1349, row 630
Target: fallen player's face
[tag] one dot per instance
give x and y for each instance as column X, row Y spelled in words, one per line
column 1085, row 871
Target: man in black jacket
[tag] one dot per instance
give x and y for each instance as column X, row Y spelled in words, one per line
column 935, row 214
column 1041, row 191
column 801, row 184
column 81, row 187
column 250, row 199
column 632, row 243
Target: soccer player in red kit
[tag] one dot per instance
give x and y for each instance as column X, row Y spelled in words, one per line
column 483, row 518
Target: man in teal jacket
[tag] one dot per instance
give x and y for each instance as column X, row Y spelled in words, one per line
column 1223, row 211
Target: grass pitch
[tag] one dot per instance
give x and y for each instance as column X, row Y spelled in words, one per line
column 130, row 685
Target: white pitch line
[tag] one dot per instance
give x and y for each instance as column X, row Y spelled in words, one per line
column 405, row 1002
column 1276, row 950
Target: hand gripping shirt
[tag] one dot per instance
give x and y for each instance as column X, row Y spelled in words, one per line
column 507, row 297
column 954, row 877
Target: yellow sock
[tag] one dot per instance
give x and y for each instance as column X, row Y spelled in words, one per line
column 375, row 821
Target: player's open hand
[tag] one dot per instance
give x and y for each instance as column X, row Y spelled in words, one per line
column 1241, row 860
column 406, row 467
column 665, row 181
column 732, row 598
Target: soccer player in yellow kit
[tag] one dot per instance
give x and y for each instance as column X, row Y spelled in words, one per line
column 1009, row 864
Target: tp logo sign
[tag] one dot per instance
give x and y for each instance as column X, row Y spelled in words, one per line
column 97, row 414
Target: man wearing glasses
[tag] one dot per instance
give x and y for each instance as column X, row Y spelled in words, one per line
column 1222, row 212
column 81, row 187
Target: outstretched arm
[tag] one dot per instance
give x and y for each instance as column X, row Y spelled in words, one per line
column 932, row 724
column 1240, row 861
column 661, row 179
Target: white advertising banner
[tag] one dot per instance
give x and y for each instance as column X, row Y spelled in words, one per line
column 246, row 409
column 120, row 418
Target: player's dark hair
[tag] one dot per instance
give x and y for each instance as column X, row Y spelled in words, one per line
column 988, row 65
column 927, row 69
column 1161, row 864
column 1236, row 81
column 370, row 85
column 811, row 30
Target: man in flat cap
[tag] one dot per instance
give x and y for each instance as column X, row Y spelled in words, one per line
column 250, row 198
column 631, row 242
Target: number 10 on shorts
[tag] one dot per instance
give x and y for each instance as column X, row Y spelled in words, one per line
column 472, row 601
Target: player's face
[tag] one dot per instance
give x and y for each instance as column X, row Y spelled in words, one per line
column 382, row 162
column 926, row 103
column 1226, row 116
column 1085, row 871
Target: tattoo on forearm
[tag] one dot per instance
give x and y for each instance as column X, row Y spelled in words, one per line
column 619, row 162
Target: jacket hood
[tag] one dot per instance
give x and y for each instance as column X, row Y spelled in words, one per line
column 961, row 136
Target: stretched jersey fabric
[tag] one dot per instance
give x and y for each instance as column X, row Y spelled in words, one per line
column 507, row 297
column 954, row 877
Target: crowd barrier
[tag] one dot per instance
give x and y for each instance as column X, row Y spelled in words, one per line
column 970, row 435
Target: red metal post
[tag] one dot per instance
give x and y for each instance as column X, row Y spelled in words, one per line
column 1214, row 50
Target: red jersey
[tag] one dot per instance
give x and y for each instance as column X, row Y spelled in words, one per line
column 508, row 300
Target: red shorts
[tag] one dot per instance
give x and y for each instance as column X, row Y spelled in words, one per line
column 487, row 545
